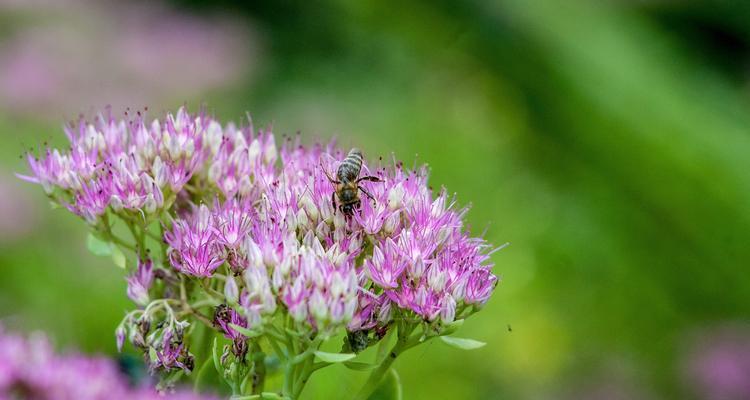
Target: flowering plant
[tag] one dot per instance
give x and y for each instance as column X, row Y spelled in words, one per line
column 238, row 260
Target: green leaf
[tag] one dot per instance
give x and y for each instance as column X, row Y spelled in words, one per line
column 152, row 354
column 244, row 331
column 334, row 357
column 461, row 343
column 118, row 257
column 293, row 332
column 216, row 358
column 389, row 388
column 359, row 366
column 455, row 324
column 97, row 246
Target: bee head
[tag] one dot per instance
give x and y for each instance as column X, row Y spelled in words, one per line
column 347, row 209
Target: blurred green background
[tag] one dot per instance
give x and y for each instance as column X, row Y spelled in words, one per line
column 608, row 142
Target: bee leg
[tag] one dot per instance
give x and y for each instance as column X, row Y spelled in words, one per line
column 369, row 178
column 333, row 202
column 335, row 182
column 366, row 193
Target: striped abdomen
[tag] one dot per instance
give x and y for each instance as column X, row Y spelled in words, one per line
column 349, row 169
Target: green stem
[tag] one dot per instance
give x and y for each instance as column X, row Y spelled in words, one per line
column 138, row 237
column 404, row 343
column 307, row 370
column 259, row 368
column 288, row 380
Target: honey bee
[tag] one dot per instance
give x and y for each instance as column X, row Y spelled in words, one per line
column 347, row 183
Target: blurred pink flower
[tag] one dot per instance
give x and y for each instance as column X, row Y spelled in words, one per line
column 717, row 366
column 30, row 369
column 89, row 54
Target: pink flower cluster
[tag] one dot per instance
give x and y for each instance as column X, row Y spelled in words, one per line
column 261, row 218
column 125, row 165
column 30, row 369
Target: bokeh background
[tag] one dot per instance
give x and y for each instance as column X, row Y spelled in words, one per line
column 607, row 141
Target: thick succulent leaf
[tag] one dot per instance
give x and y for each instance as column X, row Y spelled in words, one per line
column 118, row 257
column 461, row 343
column 98, row 246
column 359, row 366
column 334, row 357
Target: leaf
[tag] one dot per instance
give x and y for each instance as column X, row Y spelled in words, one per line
column 461, row 343
column 97, row 246
column 215, row 356
column 244, row 331
column 389, row 388
column 119, row 257
column 359, row 366
column 152, row 354
column 334, row 357
column 452, row 327
column 293, row 332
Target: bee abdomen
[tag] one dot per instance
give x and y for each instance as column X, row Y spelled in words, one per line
column 350, row 167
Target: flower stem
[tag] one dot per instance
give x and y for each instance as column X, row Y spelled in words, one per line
column 403, row 343
column 259, row 368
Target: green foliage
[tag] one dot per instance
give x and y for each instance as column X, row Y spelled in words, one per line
column 98, row 247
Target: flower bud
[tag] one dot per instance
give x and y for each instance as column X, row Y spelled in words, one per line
column 116, row 203
column 384, row 314
column 254, row 150
column 150, row 204
column 231, row 291
column 436, row 278
column 307, row 203
column 120, row 333
column 390, row 224
column 302, row 220
column 318, row 307
column 160, row 171
column 447, row 308
column 213, row 136
column 270, row 154
column 396, row 197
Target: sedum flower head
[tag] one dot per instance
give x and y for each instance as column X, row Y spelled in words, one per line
column 251, row 229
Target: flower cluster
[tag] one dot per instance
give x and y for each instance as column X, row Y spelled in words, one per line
column 252, row 232
column 30, row 369
column 124, row 166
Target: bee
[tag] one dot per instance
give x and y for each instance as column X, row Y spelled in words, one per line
column 347, row 183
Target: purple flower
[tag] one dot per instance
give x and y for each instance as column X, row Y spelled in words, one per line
column 717, row 365
column 140, row 282
column 226, row 315
column 386, row 266
column 29, row 368
column 172, row 354
column 194, row 245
